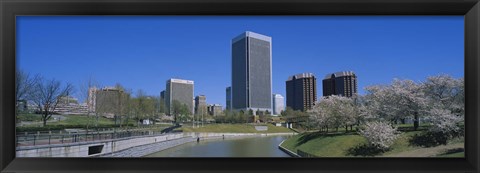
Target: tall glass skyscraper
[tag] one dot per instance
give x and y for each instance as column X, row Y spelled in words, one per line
column 252, row 72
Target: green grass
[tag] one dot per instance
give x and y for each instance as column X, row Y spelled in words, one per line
column 459, row 154
column 339, row 144
column 75, row 121
column 235, row 128
column 402, row 143
column 333, row 145
column 29, row 117
column 82, row 120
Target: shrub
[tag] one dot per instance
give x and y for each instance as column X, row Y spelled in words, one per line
column 379, row 135
column 443, row 121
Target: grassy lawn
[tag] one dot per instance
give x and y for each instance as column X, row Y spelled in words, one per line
column 333, row 145
column 459, row 154
column 235, row 128
column 82, row 120
column 29, row 117
column 341, row 145
column 76, row 121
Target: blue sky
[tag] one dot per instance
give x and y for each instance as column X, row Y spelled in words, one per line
column 142, row 52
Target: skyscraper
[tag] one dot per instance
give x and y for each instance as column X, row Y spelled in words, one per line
column 162, row 95
column 201, row 105
column 278, row 105
column 162, row 107
column 342, row 83
column 252, row 72
column 180, row 90
column 229, row 98
column 301, row 91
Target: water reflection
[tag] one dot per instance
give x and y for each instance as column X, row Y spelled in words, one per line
column 245, row 147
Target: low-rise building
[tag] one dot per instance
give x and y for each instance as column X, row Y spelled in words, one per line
column 215, row 109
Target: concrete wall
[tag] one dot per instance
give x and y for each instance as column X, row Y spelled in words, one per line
column 126, row 146
column 291, row 153
column 81, row 149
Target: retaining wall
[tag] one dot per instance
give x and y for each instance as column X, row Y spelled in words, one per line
column 87, row 149
column 127, row 147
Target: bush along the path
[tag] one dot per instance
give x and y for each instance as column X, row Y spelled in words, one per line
column 444, row 127
column 380, row 137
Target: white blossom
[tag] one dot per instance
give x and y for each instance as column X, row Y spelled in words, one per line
column 445, row 92
column 443, row 121
column 334, row 111
column 379, row 134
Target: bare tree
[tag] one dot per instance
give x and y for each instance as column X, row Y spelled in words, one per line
column 88, row 93
column 24, row 85
column 46, row 96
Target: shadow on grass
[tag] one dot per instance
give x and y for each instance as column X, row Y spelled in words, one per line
column 310, row 136
column 432, row 139
column 365, row 150
column 428, row 139
column 455, row 150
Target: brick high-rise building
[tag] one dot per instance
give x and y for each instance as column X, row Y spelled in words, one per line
column 342, row 83
column 301, row 91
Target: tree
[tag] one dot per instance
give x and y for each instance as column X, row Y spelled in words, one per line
column 411, row 100
column 161, row 106
column 46, row 96
column 24, row 86
column 334, row 111
column 379, row 134
column 180, row 111
column 87, row 93
column 443, row 121
column 143, row 106
column 401, row 99
column 250, row 112
column 445, row 92
column 288, row 111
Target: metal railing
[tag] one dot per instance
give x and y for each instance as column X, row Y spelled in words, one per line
column 59, row 137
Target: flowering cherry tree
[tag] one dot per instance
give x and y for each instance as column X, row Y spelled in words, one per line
column 445, row 92
column 379, row 134
column 334, row 111
column 443, row 121
column 397, row 101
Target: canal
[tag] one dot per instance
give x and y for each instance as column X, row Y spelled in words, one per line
column 243, row 147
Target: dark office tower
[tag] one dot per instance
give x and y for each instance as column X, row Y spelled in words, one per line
column 162, row 104
column 252, row 72
column 179, row 90
column 201, row 105
column 229, row 98
column 301, row 91
column 340, row 83
column 162, row 95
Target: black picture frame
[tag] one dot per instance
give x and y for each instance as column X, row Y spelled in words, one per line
column 11, row 8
